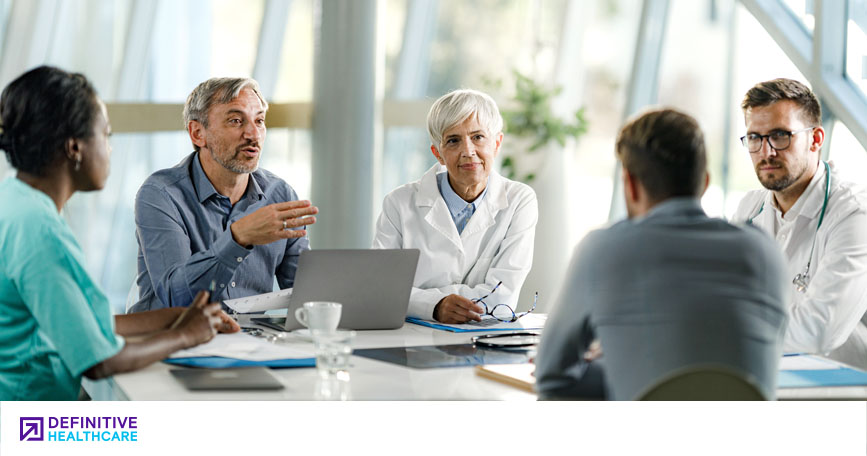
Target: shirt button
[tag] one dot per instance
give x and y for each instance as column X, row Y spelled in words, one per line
column 233, row 284
column 239, row 259
column 222, row 285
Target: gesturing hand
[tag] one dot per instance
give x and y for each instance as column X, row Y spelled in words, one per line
column 271, row 223
column 457, row 309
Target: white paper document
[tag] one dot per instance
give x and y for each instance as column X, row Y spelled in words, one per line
column 806, row 362
column 260, row 303
column 246, row 347
column 529, row 321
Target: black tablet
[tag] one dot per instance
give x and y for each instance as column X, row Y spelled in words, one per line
column 431, row 356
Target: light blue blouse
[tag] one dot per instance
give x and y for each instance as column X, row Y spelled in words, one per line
column 55, row 323
column 460, row 209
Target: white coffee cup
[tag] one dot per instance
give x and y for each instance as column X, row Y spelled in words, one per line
column 319, row 315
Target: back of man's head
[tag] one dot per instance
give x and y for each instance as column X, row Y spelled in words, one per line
column 664, row 150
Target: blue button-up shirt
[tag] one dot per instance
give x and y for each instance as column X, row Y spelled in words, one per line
column 460, row 210
column 185, row 241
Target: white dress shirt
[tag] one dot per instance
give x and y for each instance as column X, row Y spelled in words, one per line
column 829, row 318
column 496, row 244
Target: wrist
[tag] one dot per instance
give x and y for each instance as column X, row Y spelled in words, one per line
column 237, row 237
column 437, row 308
column 184, row 338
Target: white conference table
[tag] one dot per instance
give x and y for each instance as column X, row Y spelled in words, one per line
column 368, row 379
column 371, row 379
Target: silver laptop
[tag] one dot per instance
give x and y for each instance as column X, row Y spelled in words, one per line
column 243, row 378
column 373, row 285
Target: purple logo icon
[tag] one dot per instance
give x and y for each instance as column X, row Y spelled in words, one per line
column 31, row 428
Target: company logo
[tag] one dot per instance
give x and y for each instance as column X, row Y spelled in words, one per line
column 31, row 428
column 79, row 429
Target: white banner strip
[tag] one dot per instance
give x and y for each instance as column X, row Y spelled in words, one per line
column 155, row 428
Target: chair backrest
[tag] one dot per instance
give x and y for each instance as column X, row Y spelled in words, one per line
column 704, row 383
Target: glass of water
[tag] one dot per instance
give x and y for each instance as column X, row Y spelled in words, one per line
column 333, row 350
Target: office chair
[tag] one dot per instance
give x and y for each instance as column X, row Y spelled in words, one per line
column 704, row 383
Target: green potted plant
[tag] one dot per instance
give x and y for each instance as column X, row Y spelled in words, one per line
column 528, row 116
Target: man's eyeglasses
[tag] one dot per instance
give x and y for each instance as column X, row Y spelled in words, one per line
column 503, row 312
column 778, row 140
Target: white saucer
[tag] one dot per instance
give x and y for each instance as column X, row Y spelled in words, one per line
column 303, row 334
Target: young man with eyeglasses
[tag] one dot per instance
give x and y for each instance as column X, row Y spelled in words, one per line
column 669, row 288
column 817, row 219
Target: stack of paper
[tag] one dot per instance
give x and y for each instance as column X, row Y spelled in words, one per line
column 260, row 303
column 244, row 347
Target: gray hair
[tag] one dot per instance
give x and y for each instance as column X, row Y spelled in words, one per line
column 457, row 106
column 214, row 91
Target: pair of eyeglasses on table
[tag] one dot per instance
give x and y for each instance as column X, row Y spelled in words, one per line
column 503, row 312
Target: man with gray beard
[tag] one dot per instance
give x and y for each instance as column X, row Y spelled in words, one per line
column 216, row 217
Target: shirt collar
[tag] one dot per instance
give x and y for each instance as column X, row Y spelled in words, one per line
column 205, row 189
column 43, row 197
column 678, row 205
column 810, row 202
column 254, row 191
column 455, row 203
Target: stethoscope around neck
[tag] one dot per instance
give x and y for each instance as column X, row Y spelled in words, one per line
column 803, row 279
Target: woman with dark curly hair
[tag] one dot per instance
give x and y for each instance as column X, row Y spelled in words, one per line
column 55, row 322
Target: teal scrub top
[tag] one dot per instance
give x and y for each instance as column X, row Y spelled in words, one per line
column 55, row 323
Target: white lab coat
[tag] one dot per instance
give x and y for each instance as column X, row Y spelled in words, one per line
column 830, row 317
column 495, row 245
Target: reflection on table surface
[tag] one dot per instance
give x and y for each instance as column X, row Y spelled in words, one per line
column 371, row 379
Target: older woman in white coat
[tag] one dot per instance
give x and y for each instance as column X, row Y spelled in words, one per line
column 474, row 228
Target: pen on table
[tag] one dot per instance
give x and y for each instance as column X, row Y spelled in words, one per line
column 184, row 313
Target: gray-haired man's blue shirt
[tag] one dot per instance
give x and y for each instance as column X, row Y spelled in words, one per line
column 185, row 241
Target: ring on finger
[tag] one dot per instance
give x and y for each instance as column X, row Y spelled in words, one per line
column 285, row 227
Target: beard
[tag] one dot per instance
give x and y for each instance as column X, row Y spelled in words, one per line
column 782, row 182
column 236, row 163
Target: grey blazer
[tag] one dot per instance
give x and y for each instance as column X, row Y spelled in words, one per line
column 670, row 290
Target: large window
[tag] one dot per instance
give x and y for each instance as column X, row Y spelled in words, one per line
column 711, row 59
column 157, row 52
column 856, row 43
column 848, row 155
column 149, row 52
column 803, row 9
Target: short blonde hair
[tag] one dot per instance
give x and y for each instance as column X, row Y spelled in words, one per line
column 457, row 106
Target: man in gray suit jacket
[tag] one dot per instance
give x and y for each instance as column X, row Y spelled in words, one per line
column 667, row 288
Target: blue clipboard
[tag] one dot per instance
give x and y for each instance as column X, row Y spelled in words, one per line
column 218, row 362
column 430, row 324
column 825, row 377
